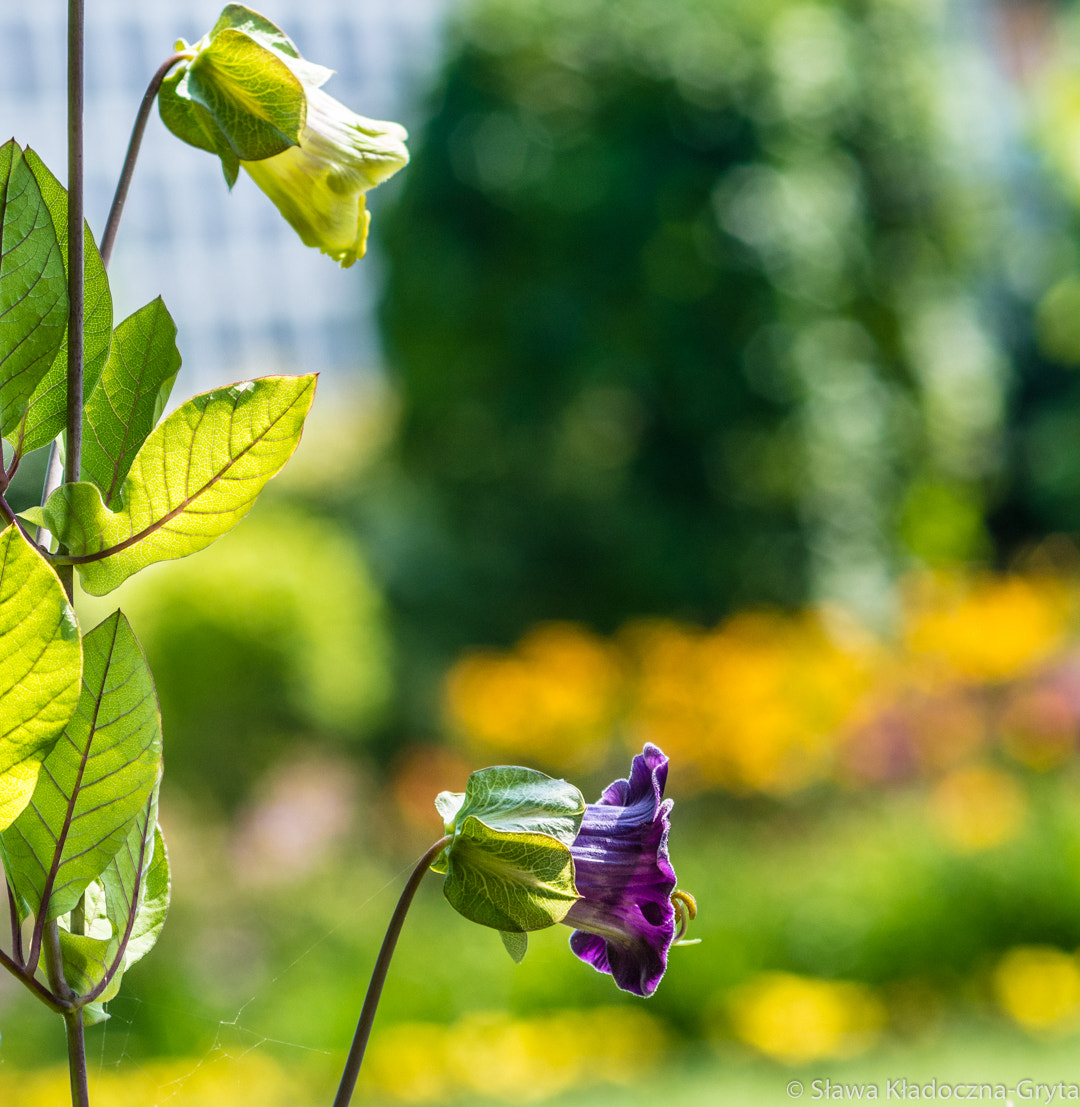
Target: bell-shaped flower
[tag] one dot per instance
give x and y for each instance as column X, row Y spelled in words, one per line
column 524, row 851
column 320, row 185
column 626, row 919
column 245, row 93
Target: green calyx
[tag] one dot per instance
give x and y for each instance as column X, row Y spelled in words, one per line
column 237, row 94
column 508, row 864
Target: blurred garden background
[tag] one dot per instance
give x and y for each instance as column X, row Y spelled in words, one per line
column 729, row 399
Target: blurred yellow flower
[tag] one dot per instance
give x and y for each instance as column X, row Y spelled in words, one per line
column 755, row 705
column 492, row 1054
column 978, row 808
column 990, row 629
column 553, row 700
column 1039, row 987
column 796, row 1019
column 1059, row 122
column 209, row 1082
column 772, row 702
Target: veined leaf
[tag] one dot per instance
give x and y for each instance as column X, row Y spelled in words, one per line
column 40, row 668
column 508, row 864
column 516, row 944
column 33, row 287
column 87, row 962
column 258, row 27
column 124, row 912
column 241, row 18
column 253, row 96
column 195, row 477
column 155, row 892
column 509, row 881
column 46, row 415
column 193, row 124
column 95, row 783
column 121, row 411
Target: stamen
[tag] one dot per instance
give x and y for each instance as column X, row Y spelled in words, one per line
column 685, row 912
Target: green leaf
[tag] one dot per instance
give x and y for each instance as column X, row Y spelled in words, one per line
column 94, row 1013
column 46, row 416
column 259, row 28
column 193, row 124
column 137, row 889
column 508, row 865
column 87, row 962
column 517, row 944
column 121, row 411
column 239, row 18
column 40, row 668
column 510, row 798
column 251, row 93
column 96, row 782
column 33, row 287
column 195, row 477
column 509, row 881
column 124, row 912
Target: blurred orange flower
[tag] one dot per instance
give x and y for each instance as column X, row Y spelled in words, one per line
column 553, row 700
column 990, row 629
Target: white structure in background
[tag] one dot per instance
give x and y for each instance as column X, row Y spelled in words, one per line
column 248, row 297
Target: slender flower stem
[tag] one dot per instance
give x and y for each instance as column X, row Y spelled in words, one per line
column 76, row 35
column 378, row 977
column 76, row 263
column 128, row 171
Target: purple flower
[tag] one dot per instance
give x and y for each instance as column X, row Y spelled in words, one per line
column 625, row 920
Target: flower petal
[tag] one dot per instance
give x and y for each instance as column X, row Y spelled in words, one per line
column 625, row 919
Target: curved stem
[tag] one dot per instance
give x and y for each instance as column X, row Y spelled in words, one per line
column 128, row 171
column 378, row 977
column 7, row 517
column 33, row 984
column 54, row 961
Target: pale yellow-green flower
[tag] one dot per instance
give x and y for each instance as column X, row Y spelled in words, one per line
column 320, row 186
column 244, row 92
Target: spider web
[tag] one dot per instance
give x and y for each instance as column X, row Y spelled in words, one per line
column 110, row 1046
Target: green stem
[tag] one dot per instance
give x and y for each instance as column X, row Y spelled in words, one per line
column 54, row 961
column 76, row 263
column 16, row 928
column 76, row 36
column 76, row 1039
column 128, row 171
column 378, row 977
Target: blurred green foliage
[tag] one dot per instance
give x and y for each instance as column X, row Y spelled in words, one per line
column 682, row 307
column 690, row 307
column 270, row 640
column 863, row 893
